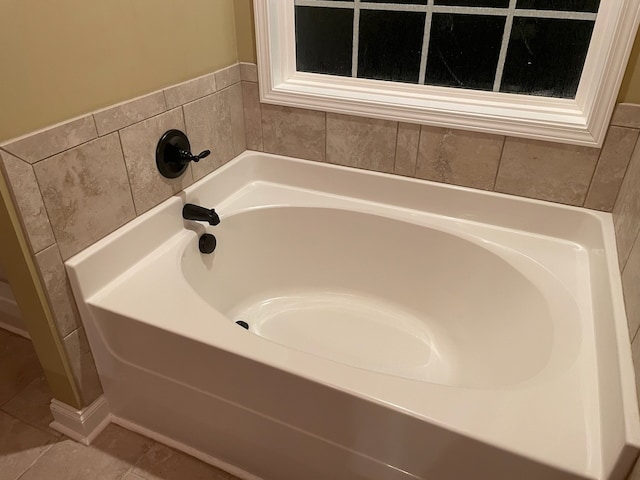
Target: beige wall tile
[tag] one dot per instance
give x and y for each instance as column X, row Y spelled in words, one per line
column 139, row 142
column 51, row 141
column 110, row 456
column 252, row 116
column 237, row 118
column 130, row 112
column 631, row 288
column 58, row 289
column 86, row 193
column 361, row 142
column 210, row 127
column 294, row 132
column 227, row 76
column 29, row 202
column 21, row 445
column 248, row 72
column 178, row 95
column 547, row 171
column 612, row 164
column 164, row 463
column 626, row 211
column 463, row 158
column 626, row 115
column 82, row 365
column 407, row 149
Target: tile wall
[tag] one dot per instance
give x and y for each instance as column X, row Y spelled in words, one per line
column 78, row 181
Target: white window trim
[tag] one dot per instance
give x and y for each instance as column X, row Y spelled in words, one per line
column 582, row 121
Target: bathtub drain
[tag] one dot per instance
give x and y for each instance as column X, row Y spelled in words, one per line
column 243, row 324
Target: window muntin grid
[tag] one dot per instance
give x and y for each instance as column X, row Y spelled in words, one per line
column 567, row 15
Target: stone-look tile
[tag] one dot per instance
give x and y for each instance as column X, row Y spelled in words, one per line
column 612, row 164
column 32, row 405
column 164, row 463
column 626, row 211
column 51, row 141
column 546, row 171
column 626, row 115
column 28, row 200
column 83, row 365
column 227, row 76
column 407, row 149
column 252, row 116
column 237, row 118
column 361, row 142
column 631, row 288
column 459, row 157
column 86, row 192
column 110, row 457
column 210, row 127
column 19, row 365
column 20, row 447
column 294, row 132
column 59, row 290
column 139, row 144
column 132, row 476
column 178, row 95
column 127, row 113
column 249, row 72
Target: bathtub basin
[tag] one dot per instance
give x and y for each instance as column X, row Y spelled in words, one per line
column 397, row 329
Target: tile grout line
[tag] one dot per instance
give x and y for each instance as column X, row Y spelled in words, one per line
column 395, row 152
column 36, row 461
column 495, row 179
column 415, row 163
column 126, row 169
column 593, row 174
column 636, row 146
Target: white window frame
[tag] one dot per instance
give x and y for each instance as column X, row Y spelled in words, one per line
column 580, row 121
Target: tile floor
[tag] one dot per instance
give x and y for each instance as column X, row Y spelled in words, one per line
column 30, row 450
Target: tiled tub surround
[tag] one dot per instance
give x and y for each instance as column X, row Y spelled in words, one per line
column 80, row 180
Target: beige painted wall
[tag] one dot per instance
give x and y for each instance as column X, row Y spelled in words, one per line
column 64, row 58
column 630, row 91
column 245, row 31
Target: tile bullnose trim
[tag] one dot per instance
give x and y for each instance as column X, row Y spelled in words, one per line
column 81, row 425
column 121, row 115
column 190, row 90
column 52, row 140
column 248, row 72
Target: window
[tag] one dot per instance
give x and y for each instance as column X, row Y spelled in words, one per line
column 546, row 69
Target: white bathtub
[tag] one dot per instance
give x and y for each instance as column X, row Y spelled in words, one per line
column 397, row 329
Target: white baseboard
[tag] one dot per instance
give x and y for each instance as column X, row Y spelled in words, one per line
column 81, row 425
column 10, row 313
column 216, row 462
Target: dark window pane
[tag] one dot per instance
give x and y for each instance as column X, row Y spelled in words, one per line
column 475, row 3
column 546, row 56
column 324, row 40
column 464, row 50
column 390, row 45
column 413, row 2
column 568, row 5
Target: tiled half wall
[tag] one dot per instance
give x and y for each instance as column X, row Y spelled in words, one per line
column 78, row 181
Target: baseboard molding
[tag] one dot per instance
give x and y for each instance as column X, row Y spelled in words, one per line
column 81, row 425
column 216, row 462
column 10, row 313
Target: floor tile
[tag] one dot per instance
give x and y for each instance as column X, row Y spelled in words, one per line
column 20, row 446
column 32, row 405
column 19, row 365
column 164, row 463
column 110, row 457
